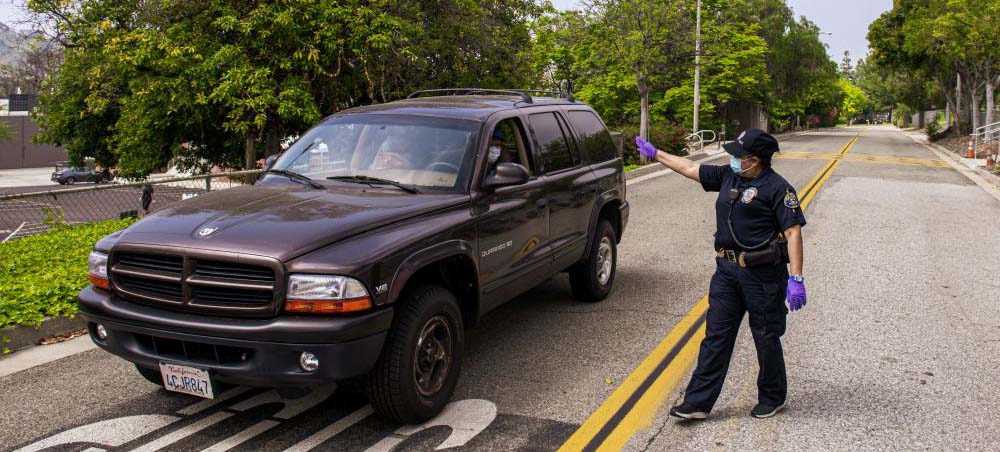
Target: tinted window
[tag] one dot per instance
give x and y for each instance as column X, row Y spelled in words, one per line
column 593, row 137
column 555, row 152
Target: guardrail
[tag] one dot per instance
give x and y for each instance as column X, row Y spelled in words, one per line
column 695, row 142
column 985, row 138
column 25, row 214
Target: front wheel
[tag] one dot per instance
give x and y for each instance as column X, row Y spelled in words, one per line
column 416, row 374
column 70, row 181
column 591, row 280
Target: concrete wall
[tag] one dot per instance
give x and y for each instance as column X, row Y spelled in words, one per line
column 20, row 152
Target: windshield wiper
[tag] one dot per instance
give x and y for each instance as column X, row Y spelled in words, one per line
column 295, row 177
column 369, row 180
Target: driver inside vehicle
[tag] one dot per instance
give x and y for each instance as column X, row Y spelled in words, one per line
column 392, row 155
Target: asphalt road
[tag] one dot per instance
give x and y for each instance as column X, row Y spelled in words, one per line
column 896, row 350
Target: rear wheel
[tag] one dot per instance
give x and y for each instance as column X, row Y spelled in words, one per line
column 151, row 375
column 592, row 279
column 416, row 374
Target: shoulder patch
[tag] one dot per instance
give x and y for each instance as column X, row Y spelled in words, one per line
column 791, row 201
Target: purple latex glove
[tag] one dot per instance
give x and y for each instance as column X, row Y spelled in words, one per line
column 796, row 295
column 647, row 150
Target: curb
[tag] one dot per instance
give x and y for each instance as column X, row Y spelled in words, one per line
column 23, row 336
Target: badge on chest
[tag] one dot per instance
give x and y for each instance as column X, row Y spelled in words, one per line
column 748, row 195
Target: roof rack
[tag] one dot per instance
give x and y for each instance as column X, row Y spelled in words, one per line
column 566, row 94
column 473, row 91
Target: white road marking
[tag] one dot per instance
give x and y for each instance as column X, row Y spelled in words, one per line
column 331, row 430
column 111, row 433
column 243, row 436
column 208, row 403
column 183, row 432
column 13, row 233
column 293, row 407
column 467, row 418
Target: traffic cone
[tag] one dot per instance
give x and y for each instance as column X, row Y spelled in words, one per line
column 972, row 152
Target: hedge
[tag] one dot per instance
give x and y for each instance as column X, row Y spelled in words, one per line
column 41, row 275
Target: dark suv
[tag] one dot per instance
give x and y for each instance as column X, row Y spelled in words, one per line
column 367, row 249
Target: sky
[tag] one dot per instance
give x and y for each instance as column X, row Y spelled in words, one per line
column 847, row 19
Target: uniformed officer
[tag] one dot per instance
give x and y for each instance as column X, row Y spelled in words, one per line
column 758, row 232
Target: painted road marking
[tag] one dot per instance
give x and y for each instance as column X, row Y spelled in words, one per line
column 466, row 419
column 865, row 158
column 332, row 430
column 111, row 433
column 634, row 404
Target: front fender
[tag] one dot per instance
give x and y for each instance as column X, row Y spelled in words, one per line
column 420, row 259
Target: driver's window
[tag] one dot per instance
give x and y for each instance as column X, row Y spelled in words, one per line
column 507, row 144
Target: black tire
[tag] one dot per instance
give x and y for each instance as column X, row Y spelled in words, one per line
column 587, row 278
column 393, row 388
column 70, row 180
column 151, row 375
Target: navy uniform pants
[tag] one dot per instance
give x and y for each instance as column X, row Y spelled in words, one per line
column 735, row 290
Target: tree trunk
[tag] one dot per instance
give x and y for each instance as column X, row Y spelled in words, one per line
column 975, row 108
column 250, row 150
column 991, row 87
column 643, row 112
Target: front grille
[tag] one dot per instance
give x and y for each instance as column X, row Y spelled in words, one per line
column 204, row 282
column 172, row 264
column 192, row 352
column 234, row 271
column 158, row 288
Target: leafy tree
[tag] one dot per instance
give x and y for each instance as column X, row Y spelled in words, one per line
column 653, row 39
column 213, row 81
column 854, row 100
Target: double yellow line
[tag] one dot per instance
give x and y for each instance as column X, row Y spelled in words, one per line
column 634, row 404
column 866, row 158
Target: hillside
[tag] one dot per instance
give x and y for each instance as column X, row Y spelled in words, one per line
column 12, row 44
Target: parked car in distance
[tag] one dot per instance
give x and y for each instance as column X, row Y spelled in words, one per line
column 366, row 249
column 72, row 174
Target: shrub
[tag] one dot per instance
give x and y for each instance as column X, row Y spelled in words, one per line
column 41, row 275
column 934, row 132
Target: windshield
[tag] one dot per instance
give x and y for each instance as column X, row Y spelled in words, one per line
column 418, row 151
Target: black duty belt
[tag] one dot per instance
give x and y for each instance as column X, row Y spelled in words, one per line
column 734, row 256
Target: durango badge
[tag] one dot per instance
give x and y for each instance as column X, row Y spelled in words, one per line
column 205, row 232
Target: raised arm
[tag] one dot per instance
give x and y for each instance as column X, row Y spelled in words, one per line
column 681, row 165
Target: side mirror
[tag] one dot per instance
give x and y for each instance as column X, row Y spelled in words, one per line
column 270, row 160
column 506, row 175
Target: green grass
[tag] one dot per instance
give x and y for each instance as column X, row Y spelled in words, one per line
column 632, row 167
column 41, row 275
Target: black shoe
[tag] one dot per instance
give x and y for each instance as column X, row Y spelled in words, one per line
column 763, row 410
column 687, row 411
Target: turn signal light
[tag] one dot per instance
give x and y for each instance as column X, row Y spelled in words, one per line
column 97, row 281
column 328, row 306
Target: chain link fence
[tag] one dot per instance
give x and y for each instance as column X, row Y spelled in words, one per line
column 26, row 214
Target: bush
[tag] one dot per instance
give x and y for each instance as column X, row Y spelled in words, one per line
column 669, row 138
column 934, row 132
column 41, row 275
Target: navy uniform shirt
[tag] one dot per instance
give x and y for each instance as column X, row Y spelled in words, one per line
column 767, row 205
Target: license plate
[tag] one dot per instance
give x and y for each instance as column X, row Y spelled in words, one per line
column 187, row 380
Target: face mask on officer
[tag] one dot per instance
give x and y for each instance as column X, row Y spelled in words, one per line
column 736, row 164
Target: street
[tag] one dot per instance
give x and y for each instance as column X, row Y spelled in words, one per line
column 897, row 348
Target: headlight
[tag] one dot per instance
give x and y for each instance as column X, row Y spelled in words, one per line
column 97, row 269
column 325, row 294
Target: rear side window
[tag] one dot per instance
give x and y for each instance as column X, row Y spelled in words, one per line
column 593, row 137
column 552, row 141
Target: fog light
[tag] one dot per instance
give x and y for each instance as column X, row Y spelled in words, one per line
column 102, row 333
column 308, row 362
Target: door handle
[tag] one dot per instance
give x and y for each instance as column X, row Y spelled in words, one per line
column 542, row 203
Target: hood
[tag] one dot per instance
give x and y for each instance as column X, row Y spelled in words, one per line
column 282, row 222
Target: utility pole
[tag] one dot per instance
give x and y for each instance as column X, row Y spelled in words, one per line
column 697, row 70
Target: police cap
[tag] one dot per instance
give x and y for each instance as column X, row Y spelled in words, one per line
column 753, row 142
